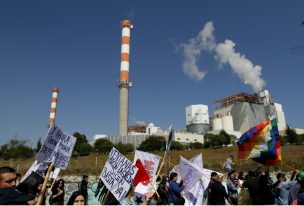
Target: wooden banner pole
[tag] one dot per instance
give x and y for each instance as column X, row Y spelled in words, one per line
column 42, row 191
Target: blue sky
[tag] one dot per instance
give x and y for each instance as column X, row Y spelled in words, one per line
column 75, row 45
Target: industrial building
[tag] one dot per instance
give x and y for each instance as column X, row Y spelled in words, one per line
column 246, row 111
column 197, row 119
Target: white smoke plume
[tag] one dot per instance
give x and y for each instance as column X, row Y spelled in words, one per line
column 243, row 67
column 193, row 49
column 224, row 53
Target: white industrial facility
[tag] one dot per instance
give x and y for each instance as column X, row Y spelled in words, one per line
column 246, row 111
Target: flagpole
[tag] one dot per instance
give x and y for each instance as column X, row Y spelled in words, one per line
column 105, row 199
column 42, row 191
column 288, row 166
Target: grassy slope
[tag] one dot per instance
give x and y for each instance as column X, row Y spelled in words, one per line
column 293, row 155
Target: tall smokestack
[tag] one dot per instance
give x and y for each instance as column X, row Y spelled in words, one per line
column 124, row 83
column 53, row 106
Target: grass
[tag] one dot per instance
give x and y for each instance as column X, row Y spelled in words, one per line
column 292, row 155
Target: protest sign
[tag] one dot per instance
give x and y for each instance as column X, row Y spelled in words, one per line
column 57, row 148
column 150, row 163
column 191, row 172
column 197, row 160
column 193, row 196
column 118, row 174
column 148, row 160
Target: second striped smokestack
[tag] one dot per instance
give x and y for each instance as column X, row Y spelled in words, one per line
column 124, row 83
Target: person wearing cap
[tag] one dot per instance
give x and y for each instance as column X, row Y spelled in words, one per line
column 11, row 196
column 8, row 177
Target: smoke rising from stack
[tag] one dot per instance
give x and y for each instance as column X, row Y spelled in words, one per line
column 193, row 49
column 224, row 53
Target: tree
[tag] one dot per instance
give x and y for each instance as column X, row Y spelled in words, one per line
column 124, row 148
column 196, row 145
column 226, row 137
column 16, row 149
column 84, row 149
column 291, row 135
column 103, row 146
column 177, row 146
column 80, row 139
column 153, row 143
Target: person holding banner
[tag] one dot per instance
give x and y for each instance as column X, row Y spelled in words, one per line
column 8, row 177
column 175, row 189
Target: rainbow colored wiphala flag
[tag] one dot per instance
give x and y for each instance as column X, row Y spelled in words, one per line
column 261, row 143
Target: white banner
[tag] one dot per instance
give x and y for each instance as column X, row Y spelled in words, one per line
column 149, row 161
column 191, row 173
column 118, row 174
column 197, row 160
column 57, row 148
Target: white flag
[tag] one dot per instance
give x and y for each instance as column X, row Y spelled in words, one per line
column 148, row 160
column 191, row 173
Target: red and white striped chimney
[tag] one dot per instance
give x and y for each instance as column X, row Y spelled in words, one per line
column 53, row 105
column 124, row 83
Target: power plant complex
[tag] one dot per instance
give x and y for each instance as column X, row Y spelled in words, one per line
column 234, row 114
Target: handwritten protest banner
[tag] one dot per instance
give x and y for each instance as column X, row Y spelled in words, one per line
column 57, row 148
column 191, row 172
column 118, row 174
column 149, row 161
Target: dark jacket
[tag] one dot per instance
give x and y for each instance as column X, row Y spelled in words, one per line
column 174, row 191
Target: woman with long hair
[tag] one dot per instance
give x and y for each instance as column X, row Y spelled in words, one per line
column 57, row 197
column 77, row 198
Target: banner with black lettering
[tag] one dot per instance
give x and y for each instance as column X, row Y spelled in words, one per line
column 57, row 148
column 118, row 174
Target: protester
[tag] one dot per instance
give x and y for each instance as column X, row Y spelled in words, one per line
column 174, row 194
column 229, row 164
column 163, row 190
column 241, row 176
column 300, row 198
column 129, row 198
column 252, row 184
column 77, row 198
column 8, row 177
column 232, row 187
column 295, row 189
column 283, row 190
column 57, row 197
column 218, row 192
column 83, row 186
column 264, row 192
column 11, row 196
column 212, row 180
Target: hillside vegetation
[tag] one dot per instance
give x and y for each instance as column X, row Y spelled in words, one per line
column 292, row 155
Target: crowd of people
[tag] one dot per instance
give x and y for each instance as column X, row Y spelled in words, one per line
column 26, row 193
column 254, row 188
